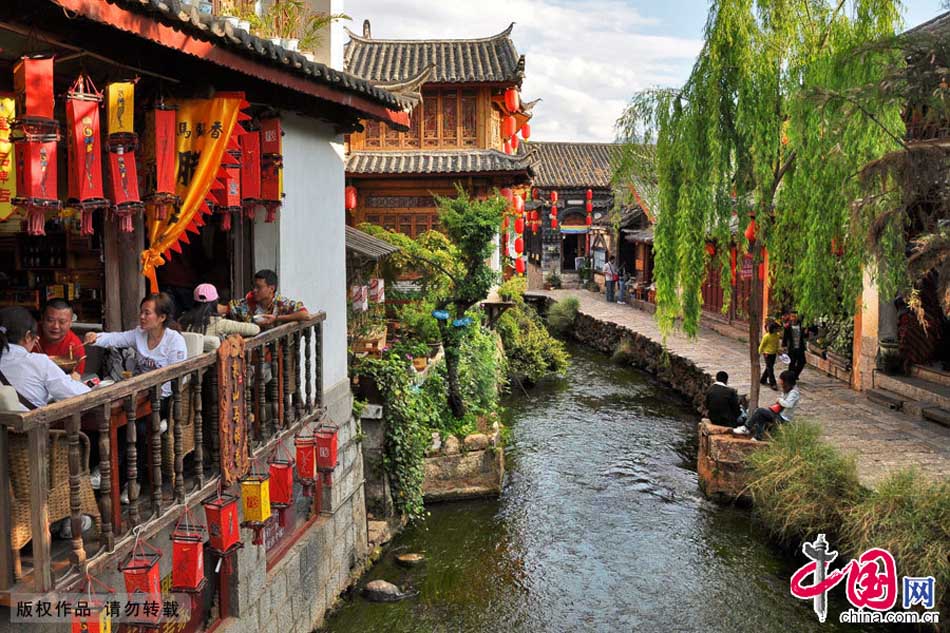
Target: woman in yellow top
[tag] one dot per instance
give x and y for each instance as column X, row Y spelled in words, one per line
column 769, row 348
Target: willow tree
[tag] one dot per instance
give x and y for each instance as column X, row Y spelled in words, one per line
column 745, row 138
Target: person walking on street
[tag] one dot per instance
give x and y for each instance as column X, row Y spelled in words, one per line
column 769, row 348
column 793, row 340
column 609, row 277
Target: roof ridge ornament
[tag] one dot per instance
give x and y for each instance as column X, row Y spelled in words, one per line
column 367, row 31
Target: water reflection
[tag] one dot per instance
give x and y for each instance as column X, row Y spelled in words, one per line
column 601, row 527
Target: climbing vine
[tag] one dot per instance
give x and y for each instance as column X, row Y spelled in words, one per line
column 768, row 127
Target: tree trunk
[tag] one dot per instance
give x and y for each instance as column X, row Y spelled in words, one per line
column 452, row 343
column 755, row 325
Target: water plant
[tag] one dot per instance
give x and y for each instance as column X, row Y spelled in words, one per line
column 561, row 315
column 531, row 351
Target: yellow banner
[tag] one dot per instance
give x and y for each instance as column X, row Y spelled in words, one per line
column 204, row 127
column 7, row 164
column 121, row 99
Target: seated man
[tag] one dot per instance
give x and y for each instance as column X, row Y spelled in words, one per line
column 722, row 402
column 56, row 336
column 782, row 411
column 264, row 306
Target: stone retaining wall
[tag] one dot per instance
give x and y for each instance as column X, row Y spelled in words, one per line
column 454, row 472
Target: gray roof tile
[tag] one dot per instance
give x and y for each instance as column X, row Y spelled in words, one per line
column 469, row 161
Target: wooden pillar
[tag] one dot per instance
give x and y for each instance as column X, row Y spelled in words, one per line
column 113, row 294
column 131, row 282
column 6, row 511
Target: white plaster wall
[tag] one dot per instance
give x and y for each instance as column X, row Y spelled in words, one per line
column 330, row 51
column 307, row 245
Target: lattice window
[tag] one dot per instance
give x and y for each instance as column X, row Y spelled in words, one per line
column 469, row 118
column 413, row 136
column 373, row 219
column 373, row 134
column 450, row 117
column 405, row 224
column 430, row 129
column 392, row 136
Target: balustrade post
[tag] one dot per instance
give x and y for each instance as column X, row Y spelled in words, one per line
column 261, row 392
column 288, row 404
column 273, row 389
column 156, row 450
column 215, row 414
column 318, row 368
column 38, row 446
column 131, row 458
column 298, row 400
column 178, row 440
column 107, row 537
column 7, row 577
column 308, row 377
column 249, row 389
column 198, row 424
column 75, row 504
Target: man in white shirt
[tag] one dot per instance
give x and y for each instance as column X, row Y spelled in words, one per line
column 782, row 411
column 610, row 276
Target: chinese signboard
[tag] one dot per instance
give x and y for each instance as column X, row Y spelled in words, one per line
column 7, row 168
column 232, row 410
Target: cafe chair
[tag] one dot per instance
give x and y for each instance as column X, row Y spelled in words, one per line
column 58, row 494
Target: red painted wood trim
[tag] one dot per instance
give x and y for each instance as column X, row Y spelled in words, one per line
column 152, row 30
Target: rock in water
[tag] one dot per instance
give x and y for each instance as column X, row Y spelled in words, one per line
column 382, row 591
column 476, row 442
column 410, row 560
column 451, row 445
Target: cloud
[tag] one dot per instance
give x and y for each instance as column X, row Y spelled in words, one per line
column 584, row 59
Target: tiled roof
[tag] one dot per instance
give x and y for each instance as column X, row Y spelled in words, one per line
column 575, row 165
column 935, row 26
column 465, row 161
column 216, row 30
column 491, row 59
column 367, row 245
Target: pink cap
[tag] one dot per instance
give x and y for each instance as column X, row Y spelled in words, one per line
column 206, row 293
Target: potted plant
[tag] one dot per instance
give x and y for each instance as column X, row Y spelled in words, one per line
column 553, row 280
column 229, row 11
column 889, row 356
column 295, row 24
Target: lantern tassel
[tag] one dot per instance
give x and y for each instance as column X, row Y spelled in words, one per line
column 36, row 221
column 86, row 226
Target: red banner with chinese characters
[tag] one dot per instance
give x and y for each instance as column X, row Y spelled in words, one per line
column 232, row 410
column 7, row 166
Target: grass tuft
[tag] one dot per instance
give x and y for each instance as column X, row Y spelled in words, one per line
column 562, row 314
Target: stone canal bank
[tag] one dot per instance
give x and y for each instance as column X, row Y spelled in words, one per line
column 881, row 440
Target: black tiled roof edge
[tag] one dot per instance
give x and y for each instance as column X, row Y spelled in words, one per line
column 491, row 59
column 367, row 245
column 218, row 31
column 437, row 162
column 579, row 165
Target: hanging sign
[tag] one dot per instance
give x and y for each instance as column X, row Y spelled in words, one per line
column 84, row 149
column 123, row 142
column 7, row 164
column 158, row 151
column 272, row 167
column 232, row 410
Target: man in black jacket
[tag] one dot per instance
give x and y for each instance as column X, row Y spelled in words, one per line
column 722, row 402
column 793, row 340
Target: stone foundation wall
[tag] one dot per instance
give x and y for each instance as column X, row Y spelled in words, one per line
column 294, row 595
column 465, row 470
column 721, row 461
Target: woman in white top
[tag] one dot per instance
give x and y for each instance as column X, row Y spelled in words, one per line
column 36, row 378
column 204, row 317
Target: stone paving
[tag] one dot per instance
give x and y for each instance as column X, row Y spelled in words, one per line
column 881, row 439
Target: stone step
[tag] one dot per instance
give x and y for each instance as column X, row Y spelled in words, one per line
column 931, row 374
column 886, row 399
column 914, row 388
column 936, row 414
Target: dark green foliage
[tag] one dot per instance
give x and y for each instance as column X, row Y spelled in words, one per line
column 561, row 315
column 531, row 350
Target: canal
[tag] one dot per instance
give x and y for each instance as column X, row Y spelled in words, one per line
column 601, row 527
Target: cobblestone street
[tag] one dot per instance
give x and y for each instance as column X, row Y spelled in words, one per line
column 881, row 439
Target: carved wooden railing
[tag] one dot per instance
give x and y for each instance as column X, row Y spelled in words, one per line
column 295, row 354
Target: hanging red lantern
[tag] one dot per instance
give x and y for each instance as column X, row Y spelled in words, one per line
column 305, row 446
column 251, row 178
column 160, row 151
column 84, row 149
column 272, row 182
column 326, row 436
column 188, row 559
column 589, row 194
column 710, row 248
column 350, row 198
column 554, row 221
column 553, row 197
column 519, row 225
column 519, row 265
column 517, row 204
column 589, row 206
column 750, row 230
column 508, row 147
column 221, row 514
column 507, row 194
column 508, row 127
column 504, row 223
column 589, row 220
column 123, row 142
column 227, row 189
column 33, row 87
column 514, row 143
column 526, row 131
column 519, row 245
column 281, row 482
column 97, row 617
column 141, row 573
column 512, row 100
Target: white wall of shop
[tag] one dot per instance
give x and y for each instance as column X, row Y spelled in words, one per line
column 306, row 246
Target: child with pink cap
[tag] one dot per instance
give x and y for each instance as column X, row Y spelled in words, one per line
column 204, row 317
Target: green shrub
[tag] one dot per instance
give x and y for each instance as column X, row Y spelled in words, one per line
column 562, row 314
column 513, row 289
column 553, row 279
column 418, row 323
column 800, row 485
column 910, row 517
column 623, row 354
column 531, row 350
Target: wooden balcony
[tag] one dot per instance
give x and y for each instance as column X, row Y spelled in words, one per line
column 43, row 470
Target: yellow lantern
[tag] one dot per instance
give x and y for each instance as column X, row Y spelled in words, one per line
column 255, row 502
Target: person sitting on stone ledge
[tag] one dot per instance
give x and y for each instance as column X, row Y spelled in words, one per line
column 782, row 411
column 722, row 402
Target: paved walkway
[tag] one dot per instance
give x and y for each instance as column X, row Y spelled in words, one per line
column 882, row 440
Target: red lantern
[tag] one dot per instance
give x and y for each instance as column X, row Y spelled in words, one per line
column 281, row 482
column 123, row 173
column 512, row 100
column 519, row 265
column 519, row 245
column 504, row 223
column 221, row 513
column 250, row 173
column 519, row 225
column 508, row 147
column 97, row 618
column 35, row 151
column 306, row 458
column 589, row 194
column 517, row 204
column 272, row 191
column 160, row 154
column 326, row 437
column 33, row 87
column 750, row 230
column 589, row 220
column 272, row 136
column 710, row 248
column 141, row 573
column 350, row 198
column 188, row 560
column 589, row 206
column 526, row 131
column 553, row 197
column 84, row 149
column 508, row 127
column 507, row 194
column 514, row 143
column 554, row 222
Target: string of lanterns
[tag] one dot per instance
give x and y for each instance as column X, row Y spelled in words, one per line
column 509, row 124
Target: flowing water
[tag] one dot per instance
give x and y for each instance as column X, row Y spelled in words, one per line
column 601, row 527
